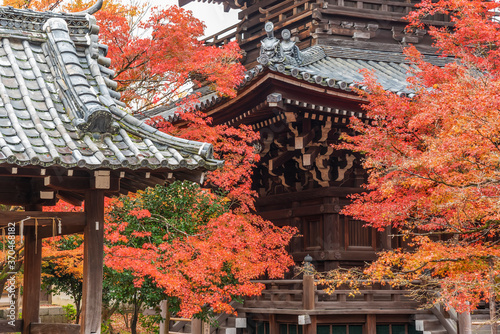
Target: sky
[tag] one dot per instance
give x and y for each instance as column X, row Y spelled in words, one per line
column 212, row 14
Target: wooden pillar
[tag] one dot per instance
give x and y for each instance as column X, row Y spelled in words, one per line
column 196, row 326
column 165, row 314
column 331, row 233
column 308, row 293
column 464, row 323
column 386, row 239
column 93, row 254
column 371, row 324
column 32, row 278
column 328, row 226
column 273, row 324
column 312, row 327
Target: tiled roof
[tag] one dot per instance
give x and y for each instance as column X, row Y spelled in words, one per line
column 58, row 104
column 332, row 66
column 340, row 67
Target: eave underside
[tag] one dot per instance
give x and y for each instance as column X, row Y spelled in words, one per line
column 25, row 186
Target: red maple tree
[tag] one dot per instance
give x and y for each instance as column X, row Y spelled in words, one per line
column 158, row 54
column 196, row 250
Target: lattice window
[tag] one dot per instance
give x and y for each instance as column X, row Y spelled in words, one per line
column 397, row 329
column 262, row 328
column 290, row 329
column 340, row 329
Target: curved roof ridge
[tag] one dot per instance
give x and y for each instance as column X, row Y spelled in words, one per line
column 59, row 106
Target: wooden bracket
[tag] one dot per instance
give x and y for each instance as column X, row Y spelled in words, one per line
column 310, row 155
column 290, row 117
column 101, row 180
column 350, row 161
column 280, row 160
column 325, row 130
column 302, row 141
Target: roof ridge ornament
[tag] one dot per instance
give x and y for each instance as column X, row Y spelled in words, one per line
column 274, row 52
column 90, row 114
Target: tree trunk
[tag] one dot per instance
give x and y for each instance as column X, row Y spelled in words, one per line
column 78, row 311
column 135, row 315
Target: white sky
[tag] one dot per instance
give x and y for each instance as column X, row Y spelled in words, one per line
column 212, row 14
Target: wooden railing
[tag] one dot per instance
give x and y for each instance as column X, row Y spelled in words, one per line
column 293, row 295
column 222, row 37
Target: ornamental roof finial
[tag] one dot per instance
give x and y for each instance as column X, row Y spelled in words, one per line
column 276, row 52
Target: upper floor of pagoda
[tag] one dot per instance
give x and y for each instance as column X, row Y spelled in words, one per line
column 377, row 25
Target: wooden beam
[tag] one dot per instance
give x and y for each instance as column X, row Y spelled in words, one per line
column 265, row 307
column 37, row 328
column 194, row 176
column 93, row 254
column 71, row 198
column 308, row 194
column 140, row 179
column 301, row 211
column 82, row 184
column 71, row 183
column 17, row 191
column 38, row 172
column 365, row 255
column 47, row 231
column 67, row 218
column 280, row 160
column 32, row 279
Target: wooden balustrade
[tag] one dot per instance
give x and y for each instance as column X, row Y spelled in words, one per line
column 295, row 295
column 222, row 37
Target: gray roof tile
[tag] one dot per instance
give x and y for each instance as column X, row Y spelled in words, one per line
column 336, row 66
column 58, row 107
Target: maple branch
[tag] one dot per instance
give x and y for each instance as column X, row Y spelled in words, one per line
column 162, row 219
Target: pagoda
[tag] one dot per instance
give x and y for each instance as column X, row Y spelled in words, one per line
column 303, row 60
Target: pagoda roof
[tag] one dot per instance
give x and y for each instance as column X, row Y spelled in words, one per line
column 232, row 4
column 59, row 105
column 331, row 67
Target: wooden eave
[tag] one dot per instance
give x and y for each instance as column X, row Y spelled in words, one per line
column 290, row 88
column 32, row 185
